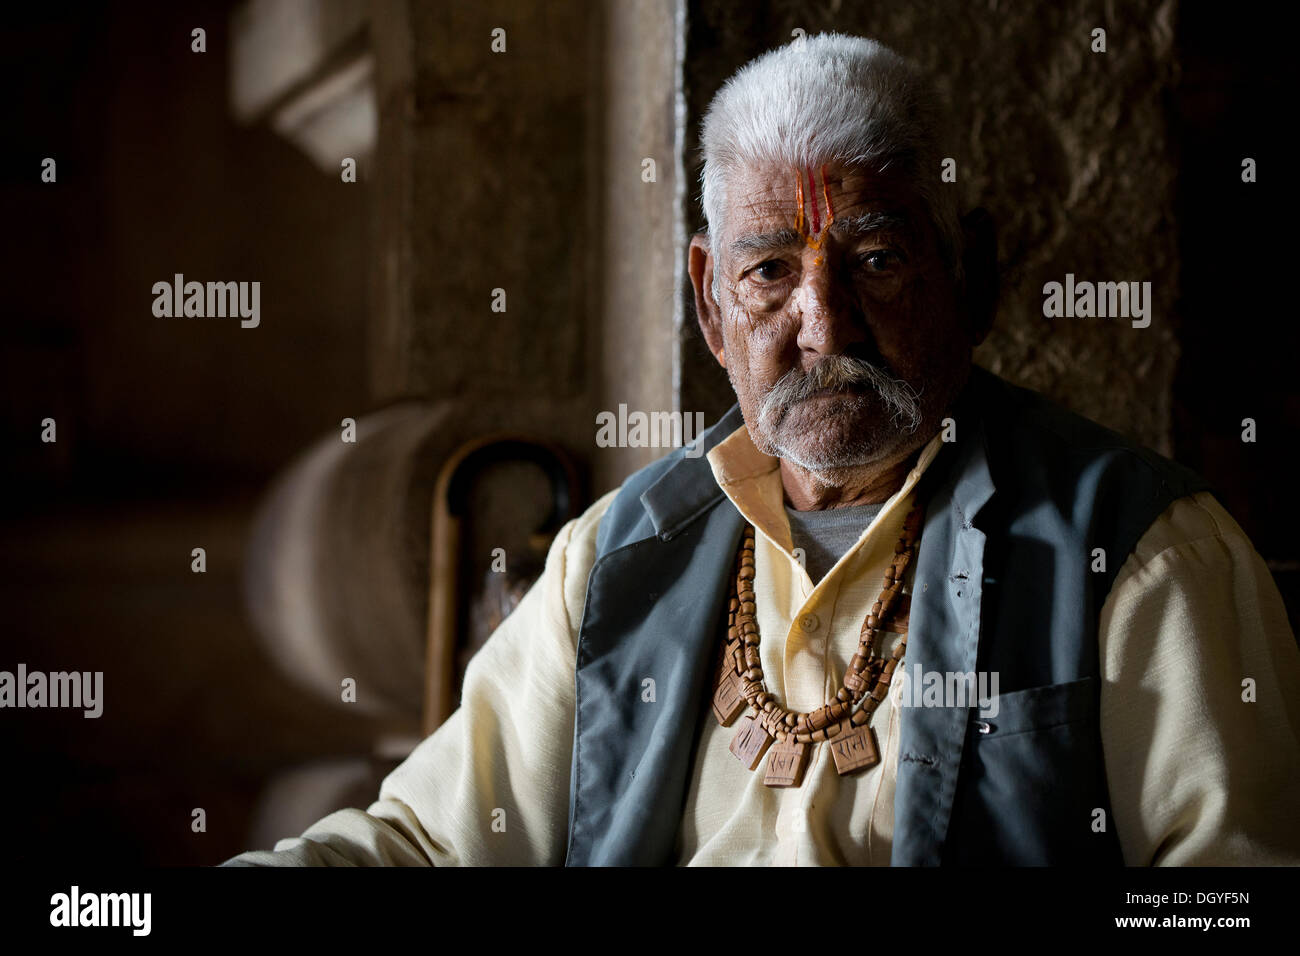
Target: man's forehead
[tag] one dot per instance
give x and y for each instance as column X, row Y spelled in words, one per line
column 765, row 197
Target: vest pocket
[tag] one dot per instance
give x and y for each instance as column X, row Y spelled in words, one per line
column 1031, row 788
column 1036, row 708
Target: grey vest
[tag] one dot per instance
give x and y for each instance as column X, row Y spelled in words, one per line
column 1012, row 592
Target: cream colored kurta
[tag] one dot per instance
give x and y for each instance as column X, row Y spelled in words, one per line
column 1196, row 775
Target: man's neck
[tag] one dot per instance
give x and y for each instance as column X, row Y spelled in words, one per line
column 869, row 484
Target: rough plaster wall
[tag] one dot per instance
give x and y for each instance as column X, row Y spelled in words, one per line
column 1068, row 150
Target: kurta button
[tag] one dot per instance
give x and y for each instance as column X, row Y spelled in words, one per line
column 809, row 622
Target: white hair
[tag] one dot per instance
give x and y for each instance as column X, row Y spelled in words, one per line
column 827, row 98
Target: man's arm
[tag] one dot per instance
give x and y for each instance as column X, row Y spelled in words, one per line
column 491, row 785
column 1197, row 775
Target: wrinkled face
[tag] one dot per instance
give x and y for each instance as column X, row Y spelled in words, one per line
column 842, row 335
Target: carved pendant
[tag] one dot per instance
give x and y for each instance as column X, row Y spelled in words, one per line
column 786, row 763
column 897, row 623
column 750, row 743
column 727, row 702
column 854, row 750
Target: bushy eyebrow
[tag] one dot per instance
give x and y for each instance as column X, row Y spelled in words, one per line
column 855, row 226
column 765, row 242
column 782, row 239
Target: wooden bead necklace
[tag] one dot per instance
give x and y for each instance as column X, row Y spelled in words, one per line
column 740, row 678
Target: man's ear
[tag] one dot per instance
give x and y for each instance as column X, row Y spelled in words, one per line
column 706, row 307
column 980, row 266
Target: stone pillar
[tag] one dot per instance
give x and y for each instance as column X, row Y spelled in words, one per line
column 485, row 219
column 515, row 162
column 643, row 229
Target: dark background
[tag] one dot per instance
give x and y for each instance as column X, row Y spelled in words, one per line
column 509, row 172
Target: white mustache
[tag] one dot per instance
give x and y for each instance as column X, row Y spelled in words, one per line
column 839, row 372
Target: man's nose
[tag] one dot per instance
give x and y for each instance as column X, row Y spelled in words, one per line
column 829, row 321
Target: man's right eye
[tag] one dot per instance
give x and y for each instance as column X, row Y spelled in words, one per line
column 771, row 270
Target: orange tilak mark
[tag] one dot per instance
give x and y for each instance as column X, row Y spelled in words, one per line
column 830, row 213
column 817, row 225
column 812, row 194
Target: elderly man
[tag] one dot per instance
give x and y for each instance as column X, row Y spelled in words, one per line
column 900, row 612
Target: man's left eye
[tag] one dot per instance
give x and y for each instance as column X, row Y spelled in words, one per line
column 879, row 260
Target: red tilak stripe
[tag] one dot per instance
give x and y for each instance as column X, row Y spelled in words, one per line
column 812, row 194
